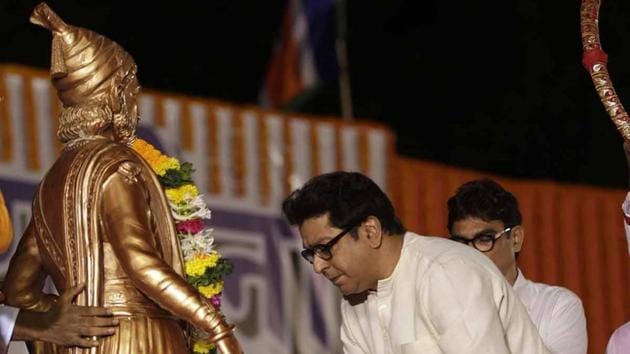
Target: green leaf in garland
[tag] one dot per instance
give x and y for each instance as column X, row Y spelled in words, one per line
column 174, row 178
column 212, row 275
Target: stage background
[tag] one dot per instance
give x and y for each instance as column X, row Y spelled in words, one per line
column 247, row 160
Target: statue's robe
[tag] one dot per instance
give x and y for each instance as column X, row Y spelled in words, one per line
column 100, row 217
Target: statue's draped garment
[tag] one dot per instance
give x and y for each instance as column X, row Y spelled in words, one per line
column 100, row 217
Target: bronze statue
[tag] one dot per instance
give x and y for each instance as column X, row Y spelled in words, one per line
column 100, row 216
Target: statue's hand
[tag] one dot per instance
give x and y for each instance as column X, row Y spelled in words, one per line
column 68, row 324
column 229, row 345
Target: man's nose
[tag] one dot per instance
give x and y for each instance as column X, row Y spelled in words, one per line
column 319, row 264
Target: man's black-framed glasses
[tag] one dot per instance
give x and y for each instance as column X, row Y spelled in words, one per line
column 485, row 240
column 323, row 251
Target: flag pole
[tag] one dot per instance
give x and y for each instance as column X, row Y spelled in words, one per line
column 341, row 47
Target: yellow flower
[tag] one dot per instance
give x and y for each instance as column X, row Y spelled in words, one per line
column 212, row 289
column 198, row 265
column 180, row 194
column 203, row 347
column 163, row 164
column 141, row 145
column 152, row 156
column 159, row 162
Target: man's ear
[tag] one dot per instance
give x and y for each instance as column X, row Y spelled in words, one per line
column 373, row 231
column 518, row 236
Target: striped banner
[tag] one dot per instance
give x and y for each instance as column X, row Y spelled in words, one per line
column 244, row 156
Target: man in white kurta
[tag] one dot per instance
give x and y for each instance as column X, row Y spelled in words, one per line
column 485, row 216
column 441, row 298
column 404, row 293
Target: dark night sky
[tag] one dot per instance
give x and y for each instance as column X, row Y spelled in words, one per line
column 506, row 92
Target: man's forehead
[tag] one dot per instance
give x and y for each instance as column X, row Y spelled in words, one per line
column 472, row 226
column 316, row 230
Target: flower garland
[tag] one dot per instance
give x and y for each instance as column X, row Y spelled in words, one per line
column 205, row 268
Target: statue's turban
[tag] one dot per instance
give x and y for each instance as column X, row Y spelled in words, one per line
column 84, row 65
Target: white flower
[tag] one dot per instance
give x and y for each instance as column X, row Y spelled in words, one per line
column 192, row 208
column 192, row 244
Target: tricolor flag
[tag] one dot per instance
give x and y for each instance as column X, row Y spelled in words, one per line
column 304, row 54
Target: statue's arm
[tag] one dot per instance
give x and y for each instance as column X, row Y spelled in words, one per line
column 25, row 277
column 126, row 220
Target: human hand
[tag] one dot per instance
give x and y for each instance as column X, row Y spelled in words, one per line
column 67, row 324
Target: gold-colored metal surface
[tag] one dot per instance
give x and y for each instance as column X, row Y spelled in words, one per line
column 595, row 61
column 100, row 216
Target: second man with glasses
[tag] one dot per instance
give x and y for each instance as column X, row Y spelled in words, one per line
column 485, row 216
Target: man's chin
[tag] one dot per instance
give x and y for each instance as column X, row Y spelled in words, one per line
column 343, row 287
column 346, row 286
column 348, row 290
column 345, row 292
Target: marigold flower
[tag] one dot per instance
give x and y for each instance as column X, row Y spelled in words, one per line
column 202, row 347
column 181, row 194
column 211, row 290
column 198, row 265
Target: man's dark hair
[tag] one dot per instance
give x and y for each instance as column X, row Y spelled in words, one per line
column 349, row 198
column 484, row 199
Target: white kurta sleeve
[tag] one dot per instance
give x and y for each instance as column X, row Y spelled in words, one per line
column 619, row 342
column 567, row 330
column 470, row 309
column 461, row 307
